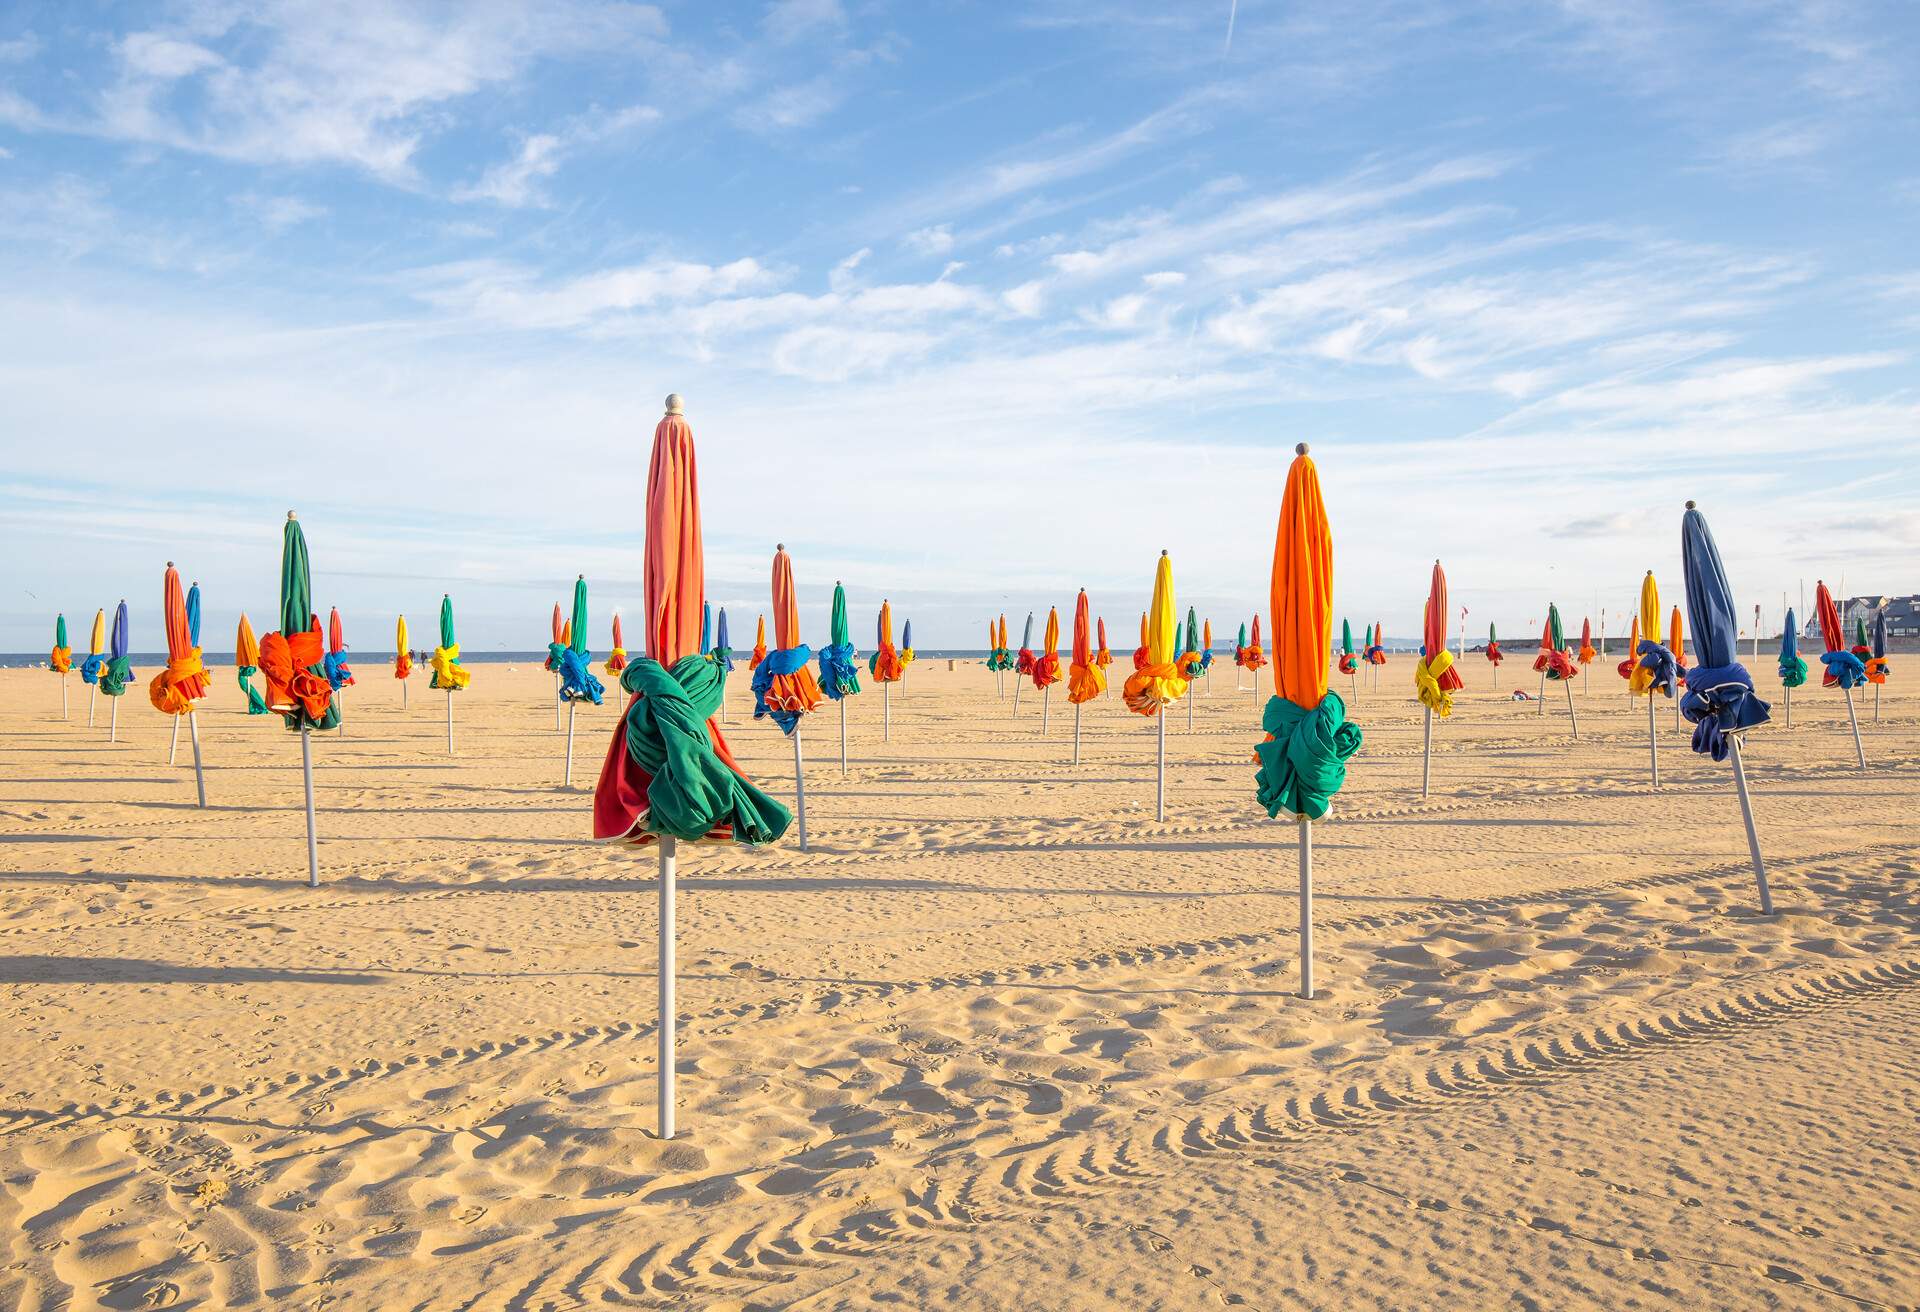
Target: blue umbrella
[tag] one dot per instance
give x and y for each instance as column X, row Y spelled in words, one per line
column 723, row 649
column 193, row 614
column 706, row 625
column 1877, row 668
column 906, row 635
column 1720, row 700
column 1793, row 669
column 117, row 673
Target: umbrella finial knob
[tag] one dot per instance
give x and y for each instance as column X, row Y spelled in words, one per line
column 1163, row 551
column 169, row 564
column 1300, row 448
column 675, row 406
column 779, row 546
column 1689, row 505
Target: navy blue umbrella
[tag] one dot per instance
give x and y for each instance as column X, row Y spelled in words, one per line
column 1720, row 700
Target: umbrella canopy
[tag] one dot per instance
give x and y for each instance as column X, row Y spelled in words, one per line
column 1376, row 653
column 1720, row 700
column 96, row 649
column 617, row 654
column 558, row 638
column 193, row 615
column 1101, row 656
column 402, row 658
column 884, row 664
column 338, row 675
column 293, row 657
column 668, row 770
column 1157, row 681
column 906, row 642
column 1023, row 663
column 1190, row 646
column 1677, row 642
column 1046, row 664
column 999, row 657
column 1553, row 660
column 1140, row 656
column 1860, row 647
column 1494, row 653
column 1844, row 669
column 1793, row 670
column 448, row 673
column 1587, row 653
column 706, row 626
column 246, row 659
column 1434, row 678
column 183, row 682
column 759, row 643
column 1656, row 667
column 1085, row 678
column 783, row 686
column 1349, row 663
column 1309, row 738
column 839, row 676
column 117, row 672
column 1240, row 646
column 1256, row 656
column 570, row 656
column 60, row 660
column 1877, row 667
column 722, row 646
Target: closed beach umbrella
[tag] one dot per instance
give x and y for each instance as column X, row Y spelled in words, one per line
column 1720, row 700
column 246, row 660
column 722, row 645
column 1845, row 670
column 1308, row 739
column 1158, row 683
column 96, row 660
column 60, row 659
column 668, row 774
column 617, row 655
column 839, row 675
column 1494, row 654
column 338, row 675
column 885, row 665
column 293, row 662
column 759, row 643
column 193, row 615
column 1101, row 656
column 1434, row 678
column 1656, row 670
column 449, row 675
column 1877, row 667
column 117, row 673
column 575, row 664
column 783, row 687
column 402, row 657
column 1793, row 668
column 1085, row 679
column 183, row 682
column 1046, row 665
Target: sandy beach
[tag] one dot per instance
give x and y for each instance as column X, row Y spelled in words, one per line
column 998, row 1041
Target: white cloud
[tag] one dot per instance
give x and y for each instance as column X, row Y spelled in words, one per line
column 278, row 213
column 788, row 108
column 789, row 20
column 515, row 182
column 937, row 240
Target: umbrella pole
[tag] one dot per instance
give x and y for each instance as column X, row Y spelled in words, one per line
column 1355, row 677
column 340, row 696
column 1571, row 713
column 63, row 700
column 113, row 724
column 556, row 702
column 1876, row 701
column 669, row 863
column 1189, row 715
column 1046, row 706
column 843, row 737
column 886, row 712
column 1426, row 756
column 1076, row 733
column 1859, row 752
column 1653, row 743
column 173, row 748
column 1160, row 772
column 1542, row 708
column 1753, row 835
column 1306, row 908
column 799, row 788
column 199, row 779
column 569, row 775
column 306, row 778
column 1016, row 696
column 1789, row 706
column 403, row 695
column 93, row 691
column 449, row 722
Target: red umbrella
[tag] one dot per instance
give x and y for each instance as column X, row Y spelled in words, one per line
column 1434, row 678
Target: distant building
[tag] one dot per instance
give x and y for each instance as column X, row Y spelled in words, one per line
column 1903, row 616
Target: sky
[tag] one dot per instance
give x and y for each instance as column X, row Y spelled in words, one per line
column 972, row 304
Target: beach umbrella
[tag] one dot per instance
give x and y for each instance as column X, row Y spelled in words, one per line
column 60, row 660
column 117, row 673
column 1085, row 678
column 617, row 654
column 668, row 775
column 1434, row 678
column 1720, row 700
column 1494, row 654
column 1239, row 652
column 96, row 661
column 175, row 689
column 1845, row 670
column 574, row 663
column 706, row 627
column 1102, row 657
column 906, row 652
column 449, row 675
column 1655, row 670
column 722, row 654
column 402, row 658
column 1587, row 654
column 1156, row 682
column 839, row 676
column 1303, row 758
column 1376, row 652
column 1255, row 660
column 1632, row 662
column 1190, row 664
column 1349, row 659
column 1046, row 665
column 293, row 662
column 1877, row 667
column 885, row 665
column 783, row 687
column 1793, row 669
column 1023, row 663
column 552, row 662
column 999, row 657
column 759, row 643
column 1554, row 663
column 338, row 675
column 246, row 660
column 1676, row 643
column 1206, row 653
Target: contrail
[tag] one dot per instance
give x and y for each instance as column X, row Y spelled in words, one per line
column 1232, row 9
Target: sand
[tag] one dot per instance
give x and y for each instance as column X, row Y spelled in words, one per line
column 998, row 1041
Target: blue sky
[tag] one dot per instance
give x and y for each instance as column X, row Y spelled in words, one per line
column 972, row 304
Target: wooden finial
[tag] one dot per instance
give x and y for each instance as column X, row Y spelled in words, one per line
column 291, row 516
column 1300, row 449
column 1689, row 505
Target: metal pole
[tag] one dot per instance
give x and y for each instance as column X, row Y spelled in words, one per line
column 1573, row 714
column 306, row 778
column 1160, row 772
column 1789, row 692
column 886, row 712
column 1541, row 709
column 1753, row 835
column 173, row 747
column 93, row 691
column 403, row 694
column 1860, row 753
column 1306, row 908
column 843, row 737
column 1076, row 733
column 340, row 696
column 556, row 701
column 1016, row 694
column 449, row 722
column 113, row 723
column 199, row 779
column 1426, row 756
column 63, row 697
column 1189, row 714
column 1046, row 707
column 569, row 777
column 1653, row 742
column 669, row 861
column 800, row 788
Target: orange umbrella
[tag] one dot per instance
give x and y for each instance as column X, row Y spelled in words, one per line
column 759, row 643
column 1308, row 736
column 617, row 658
column 1085, row 678
column 246, row 659
column 183, row 682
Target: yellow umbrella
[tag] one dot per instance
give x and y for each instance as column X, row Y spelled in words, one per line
column 1158, row 683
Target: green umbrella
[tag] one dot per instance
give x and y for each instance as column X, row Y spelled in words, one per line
column 579, row 643
column 448, row 673
column 1346, row 638
column 60, row 632
column 1553, row 627
column 296, row 617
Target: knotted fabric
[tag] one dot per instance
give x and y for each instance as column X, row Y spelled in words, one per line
column 1657, row 670
column 448, row 673
column 616, row 660
column 668, row 770
column 1085, row 682
column 1103, row 658
column 90, row 667
column 183, row 682
column 297, row 687
column 1376, row 655
column 115, row 675
column 1793, row 672
column 1046, row 669
column 338, row 675
column 1556, row 665
column 1252, row 657
column 839, row 675
column 885, row 663
column 577, row 683
column 1303, row 761
column 1844, row 670
column 784, row 688
column 1023, row 664
column 61, row 660
column 1151, row 687
column 1877, row 669
column 1587, row 653
column 1494, row 654
column 1721, row 704
column 256, row 704
column 999, row 659
column 1430, row 682
column 1348, row 663
column 402, row 664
